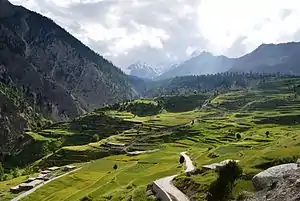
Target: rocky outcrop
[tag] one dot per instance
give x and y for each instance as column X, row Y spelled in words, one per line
column 272, row 175
column 285, row 187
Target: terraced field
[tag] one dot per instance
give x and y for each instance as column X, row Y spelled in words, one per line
column 231, row 124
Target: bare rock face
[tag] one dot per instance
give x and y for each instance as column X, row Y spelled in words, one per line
column 285, row 189
column 54, row 71
column 63, row 76
column 272, row 175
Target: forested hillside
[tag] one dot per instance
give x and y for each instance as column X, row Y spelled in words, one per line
column 211, row 82
column 17, row 115
column 69, row 78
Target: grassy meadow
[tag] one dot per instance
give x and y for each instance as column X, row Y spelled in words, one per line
column 232, row 125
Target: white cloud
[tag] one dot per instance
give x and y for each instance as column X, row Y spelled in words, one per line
column 156, row 31
column 261, row 21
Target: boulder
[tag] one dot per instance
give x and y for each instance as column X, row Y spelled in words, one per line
column 298, row 162
column 272, row 175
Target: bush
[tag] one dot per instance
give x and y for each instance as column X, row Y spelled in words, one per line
column 95, row 138
column 181, row 160
column 86, row 198
column 1, row 171
column 221, row 189
column 243, row 196
column 115, row 167
column 15, row 173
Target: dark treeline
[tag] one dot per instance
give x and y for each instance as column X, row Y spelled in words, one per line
column 215, row 82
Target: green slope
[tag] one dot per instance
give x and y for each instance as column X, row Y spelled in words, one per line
column 208, row 132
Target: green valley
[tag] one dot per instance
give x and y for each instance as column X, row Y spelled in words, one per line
column 257, row 125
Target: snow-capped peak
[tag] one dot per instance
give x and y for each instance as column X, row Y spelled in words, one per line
column 197, row 53
column 144, row 70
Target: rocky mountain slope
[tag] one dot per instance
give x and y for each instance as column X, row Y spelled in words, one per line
column 271, row 58
column 16, row 116
column 204, row 63
column 46, row 72
column 64, row 76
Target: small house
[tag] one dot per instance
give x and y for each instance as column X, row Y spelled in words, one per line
column 45, row 177
column 30, row 185
column 53, row 168
column 69, row 167
column 30, row 179
column 45, row 171
column 15, row 189
column 117, row 146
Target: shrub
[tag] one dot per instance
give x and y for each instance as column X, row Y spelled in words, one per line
column 95, row 138
column 181, row 160
column 115, row 167
column 1, row 171
column 86, row 198
column 243, row 196
column 15, row 173
column 221, row 189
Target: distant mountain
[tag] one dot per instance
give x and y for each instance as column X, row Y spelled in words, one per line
column 196, row 53
column 144, row 70
column 271, row 58
column 200, row 64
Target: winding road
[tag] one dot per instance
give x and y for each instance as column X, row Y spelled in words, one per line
column 166, row 191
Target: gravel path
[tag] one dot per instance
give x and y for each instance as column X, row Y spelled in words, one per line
column 166, row 185
column 21, row 196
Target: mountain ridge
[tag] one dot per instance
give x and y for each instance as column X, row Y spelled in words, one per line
column 271, row 58
column 55, row 73
column 204, row 63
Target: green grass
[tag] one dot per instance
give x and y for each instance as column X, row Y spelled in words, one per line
column 211, row 138
column 99, row 180
column 6, row 185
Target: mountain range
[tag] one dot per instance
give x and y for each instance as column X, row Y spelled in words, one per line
column 267, row 58
column 46, row 74
column 271, row 58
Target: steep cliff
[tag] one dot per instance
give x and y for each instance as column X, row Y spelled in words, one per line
column 64, row 76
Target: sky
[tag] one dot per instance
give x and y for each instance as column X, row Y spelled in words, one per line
column 161, row 32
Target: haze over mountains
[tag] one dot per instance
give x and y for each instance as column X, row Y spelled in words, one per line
column 267, row 58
